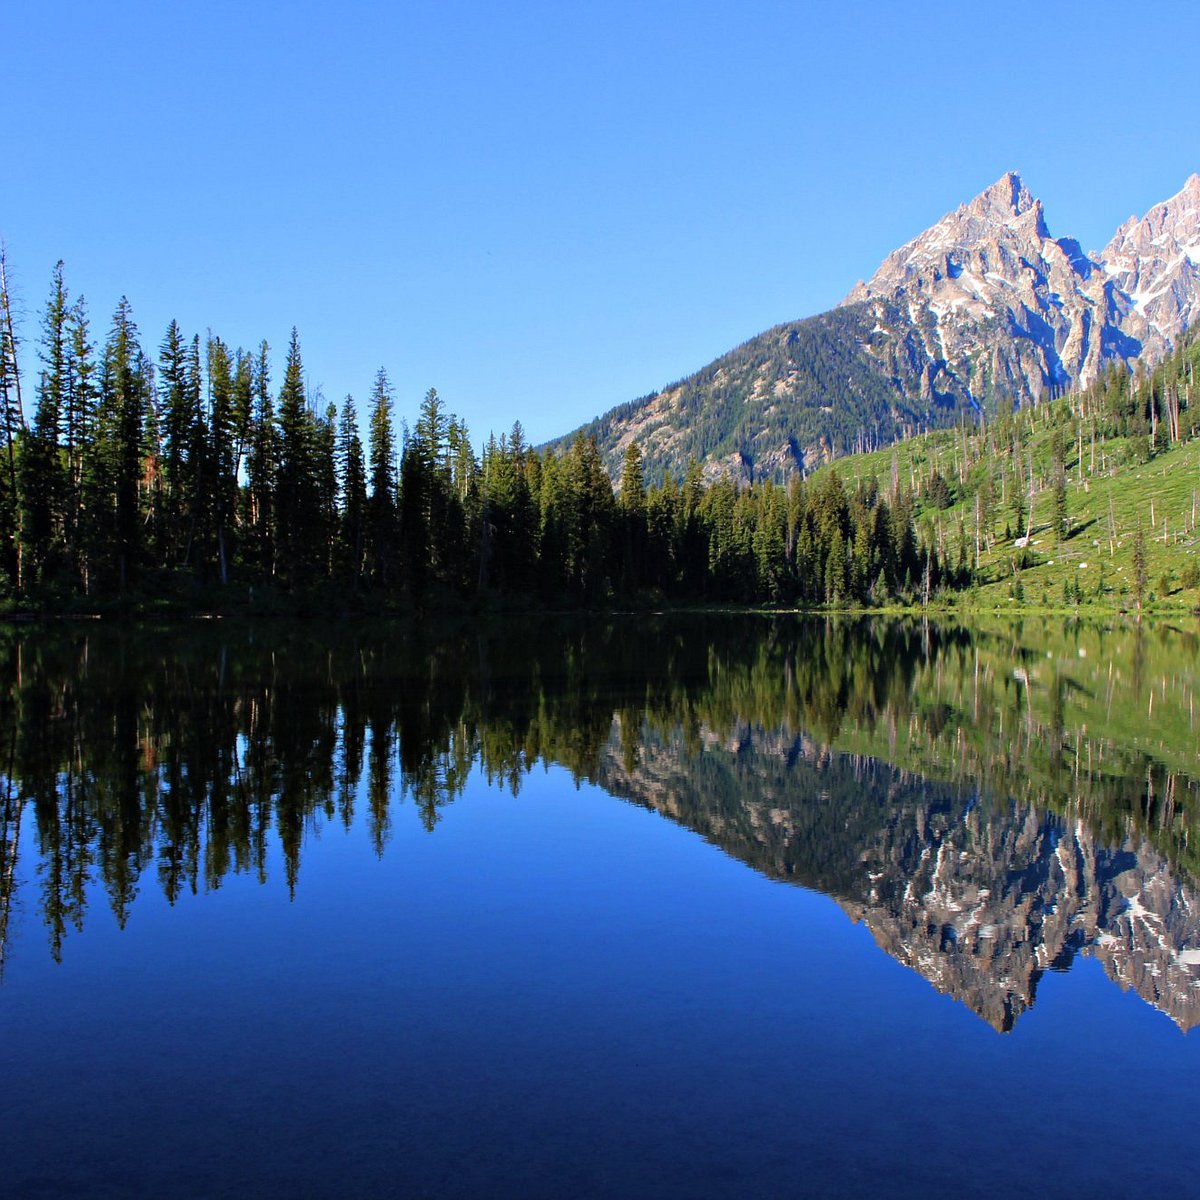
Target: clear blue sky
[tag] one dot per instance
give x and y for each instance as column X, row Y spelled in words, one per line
column 547, row 209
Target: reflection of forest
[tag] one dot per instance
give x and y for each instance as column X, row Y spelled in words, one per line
column 184, row 752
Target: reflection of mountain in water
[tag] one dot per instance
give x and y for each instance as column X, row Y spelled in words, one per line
column 979, row 897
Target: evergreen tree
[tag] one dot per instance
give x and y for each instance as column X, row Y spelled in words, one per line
column 352, row 493
column 42, row 480
column 508, row 535
column 325, row 481
column 770, row 545
column 663, row 523
column 432, row 522
column 587, row 520
column 1058, row 482
column 222, row 451
column 195, row 502
column 433, row 509
column 631, row 507
column 836, row 573
column 295, row 499
column 124, row 400
column 261, row 469
column 937, row 493
column 1141, row 572
column 552, row 534
column 381, row 507
column 12, row 433
column 177, row 423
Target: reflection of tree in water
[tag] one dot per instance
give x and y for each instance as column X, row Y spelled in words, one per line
column 185, row 753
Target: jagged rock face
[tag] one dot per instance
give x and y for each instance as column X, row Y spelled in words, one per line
column 983, row 908
column 1001, row 310
column 984, row 309
column 1154, row 261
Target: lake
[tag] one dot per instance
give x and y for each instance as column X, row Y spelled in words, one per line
column 696, row 906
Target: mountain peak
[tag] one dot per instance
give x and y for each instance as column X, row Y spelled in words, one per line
column 983, row 308
column 1000, row 228
column 1190, row 189
column 1007, row 197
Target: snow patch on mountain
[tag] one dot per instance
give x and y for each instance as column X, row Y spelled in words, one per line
column 1002, row 308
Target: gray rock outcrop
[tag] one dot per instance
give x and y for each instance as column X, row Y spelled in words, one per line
column 988, row 305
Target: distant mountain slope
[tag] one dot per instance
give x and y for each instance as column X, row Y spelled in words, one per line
column 984, row 310
column 791, row 398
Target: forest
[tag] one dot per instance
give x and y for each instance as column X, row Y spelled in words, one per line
column 1089, row 498
column 184, row 479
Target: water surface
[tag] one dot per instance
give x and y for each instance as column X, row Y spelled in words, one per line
column 679, row 907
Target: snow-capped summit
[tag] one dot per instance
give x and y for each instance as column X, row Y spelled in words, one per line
column 1155, row 261
column 984, row 310
column 1003, row 309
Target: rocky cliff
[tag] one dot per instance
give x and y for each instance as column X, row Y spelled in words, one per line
column 984, row 310
column 1152, row 263
column 1005, row 312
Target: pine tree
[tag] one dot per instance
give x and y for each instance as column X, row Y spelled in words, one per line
column 261, row 469
column 42, row 479
column 195, row 504
column 124, row 398
column 631, row 508
column 12, row 432
column 79, row 427
column 835, row 569
column 325, row 483
column 524, row 521
column 1058, row 482
column 222, row 451
column 552, row 541
column 588, row 511
column 433, row 519
column 242, row 412
column 1140, row 566
column 352, row 493
column 770, row 544
column 381, row 507
column 296, row 515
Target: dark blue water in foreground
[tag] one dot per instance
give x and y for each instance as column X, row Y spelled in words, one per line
column 563, row 993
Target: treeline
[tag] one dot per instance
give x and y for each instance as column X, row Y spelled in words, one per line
column 186, row 476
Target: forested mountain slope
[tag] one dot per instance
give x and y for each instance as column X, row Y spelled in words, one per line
column 983, row 312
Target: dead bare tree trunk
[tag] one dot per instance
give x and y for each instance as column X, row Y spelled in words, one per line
column 10, row 397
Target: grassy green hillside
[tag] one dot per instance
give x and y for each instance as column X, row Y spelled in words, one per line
column 1046, row 504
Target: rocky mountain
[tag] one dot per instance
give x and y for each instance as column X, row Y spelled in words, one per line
column 983, row 908
column 984, row 310
column 1006, row 312
column 1154, row 261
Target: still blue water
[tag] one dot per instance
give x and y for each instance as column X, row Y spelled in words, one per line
column 557, row 993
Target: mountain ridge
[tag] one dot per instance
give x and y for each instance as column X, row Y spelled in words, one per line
column 982, row 311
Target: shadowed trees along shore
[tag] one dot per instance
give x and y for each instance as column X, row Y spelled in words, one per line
column 186, row 480
column 185, row 477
